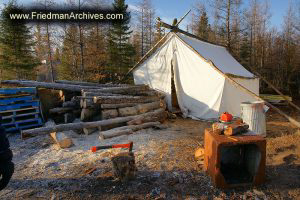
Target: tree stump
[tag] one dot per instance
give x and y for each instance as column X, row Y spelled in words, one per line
column 124, row 166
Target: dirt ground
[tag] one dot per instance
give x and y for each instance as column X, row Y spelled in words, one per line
column 165, row 162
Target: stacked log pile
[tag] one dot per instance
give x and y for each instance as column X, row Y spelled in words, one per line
column 110, row 110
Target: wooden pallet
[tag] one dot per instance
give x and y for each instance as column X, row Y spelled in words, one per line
column 17, row 126
column 9, row 91
column 15, row 100
column 19, row 108
column 34, row 103
column 19, row 118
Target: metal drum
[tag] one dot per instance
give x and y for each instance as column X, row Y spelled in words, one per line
column 253, row 113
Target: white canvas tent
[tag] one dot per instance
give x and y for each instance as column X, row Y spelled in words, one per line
column 200, row 71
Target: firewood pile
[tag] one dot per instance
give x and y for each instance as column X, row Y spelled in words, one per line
column 108, row 109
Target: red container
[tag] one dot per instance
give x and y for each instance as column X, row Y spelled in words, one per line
column 235, row 160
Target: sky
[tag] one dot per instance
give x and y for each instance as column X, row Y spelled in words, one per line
column 167, row 10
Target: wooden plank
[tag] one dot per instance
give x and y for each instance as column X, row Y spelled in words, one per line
column 15, row 100
column 20, row 115
column 23, row 127
column 34, row 103
column 30, row 90
column 275, row 97
column 2, row 96
column 20, row 122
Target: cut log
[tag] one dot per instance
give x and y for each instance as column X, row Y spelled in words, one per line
column 56, row 86
column 120, row 105
column 111, row 134
column 60, row 110
column 88, row 131
column 88, row 114
column 89, row 84
column 156, row 114
column 110, row 113
column 124, row 99
column 138, row 109
column 131, row 90
column 61, row 140
column 69, row 117
column 140, row 119
column 93, row 94
column 125, row 130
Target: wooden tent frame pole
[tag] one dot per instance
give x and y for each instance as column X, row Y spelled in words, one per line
column 276, row 90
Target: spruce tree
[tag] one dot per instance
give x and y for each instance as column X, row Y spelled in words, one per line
column 121, row 52
column 203, row 26
column 16, row 43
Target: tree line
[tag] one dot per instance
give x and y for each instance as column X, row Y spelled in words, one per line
column 105, row 52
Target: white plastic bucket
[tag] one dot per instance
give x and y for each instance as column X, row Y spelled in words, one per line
column 253, row 114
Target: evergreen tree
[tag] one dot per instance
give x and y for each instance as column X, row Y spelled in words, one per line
column 16, row 43
column 121, row 52
column 203, row 26
column 245, row 51
column 160, row 32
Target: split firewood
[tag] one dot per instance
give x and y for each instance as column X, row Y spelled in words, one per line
column 199, row 153
column 125, row 130
column 61, row 139
column 234, row 129
column 156, row 115
column 124, row 99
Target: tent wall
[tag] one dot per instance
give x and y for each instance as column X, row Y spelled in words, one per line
column 199, row 86
column 232, row 98
column 251, row 84
column 156, row 71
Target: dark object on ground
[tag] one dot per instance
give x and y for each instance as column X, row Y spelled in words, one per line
column 6, row 166
column 124, row 166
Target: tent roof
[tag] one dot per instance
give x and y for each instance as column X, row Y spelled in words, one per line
column 218, row 54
